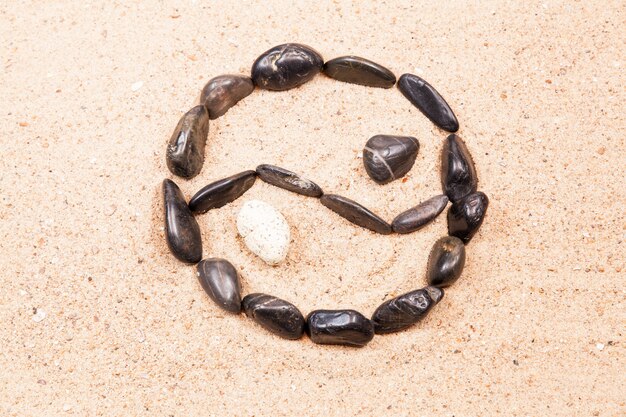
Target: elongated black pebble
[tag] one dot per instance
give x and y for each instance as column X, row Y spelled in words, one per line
column 387, row 157
column 222, row 192
column 339, row 327
column 181, row 228
column 282, row 178
column 424, row 96
column 275, row 315
column 357, row 70
column 220, row 281
column 458, row 174
column 445, row 262
column 286, row 66
column 185, row 151
column 223, row 92
column 466, row 216
column 419, row 216
column 405, row 310
column 355, row 213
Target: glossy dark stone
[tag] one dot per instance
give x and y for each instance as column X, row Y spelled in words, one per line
column 276, row 315
column 339, row 327
column 181, row 228
column 458, row 175
column 355, row 213
column 223, row 92
column 222, row 192
column 405, row 310
column 387, row 157
column 423, row 96
column 288, row 180
column 445, row 262
column 419, row 216
column 286, row 66
column 466, row 216
column 185, row 151
column 356, row 70
column 220, row 280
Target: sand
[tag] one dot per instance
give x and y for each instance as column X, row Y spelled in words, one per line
column 97, row 317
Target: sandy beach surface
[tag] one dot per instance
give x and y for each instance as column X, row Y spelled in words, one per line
column 98, row 318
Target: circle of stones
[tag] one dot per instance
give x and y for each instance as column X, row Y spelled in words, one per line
column 281, row 68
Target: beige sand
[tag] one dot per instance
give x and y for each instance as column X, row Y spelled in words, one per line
column 534, row 327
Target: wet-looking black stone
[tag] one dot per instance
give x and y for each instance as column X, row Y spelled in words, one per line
column 219, row 193
column 424, row 96
column 339, row 327
column 466, row 216
column 405, row 310
column 223, row 92
column 282, row 178
column 357, row 70
column 185, row 151
column 458, row 175
column 387, row 157
column 275, row 315
column 181, row 228
column 220, row 281
column 286, row 66
column 355, row 213
column 445, row 262
column 419, row 216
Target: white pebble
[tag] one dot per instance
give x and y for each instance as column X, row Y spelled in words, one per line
column 600, row 346
column 264, row 230
column 136, row 85
column 39, row 316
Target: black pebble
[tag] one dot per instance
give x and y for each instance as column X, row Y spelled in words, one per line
column 276, row 315
column 388, row 157
column 339, row 327
column 355, row 213
column 405, row 310
column 445, row 262
column 423, row 96
column 181, row 228
column 222, row 192
column 356, row 70
column 220, row 280
column 419, row 216
column 185, row 151
column 286, row 66
column 458, row 175
column 466, row 216
column 288, row 180
column 223, row 92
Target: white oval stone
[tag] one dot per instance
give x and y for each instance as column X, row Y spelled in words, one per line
column 264, row 230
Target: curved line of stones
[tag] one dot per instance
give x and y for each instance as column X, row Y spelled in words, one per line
column 306, row 324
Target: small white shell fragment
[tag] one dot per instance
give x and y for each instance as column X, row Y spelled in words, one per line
column 39, row 316
column 264, row 231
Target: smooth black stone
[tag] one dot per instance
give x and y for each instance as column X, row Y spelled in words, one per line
column 185, row 151
column 339, row 327
column 222, row 192
column 357, row 70
column 286, row 66
column 419, row 216
column 220, row 281
column 445, row 262
column 276, row 315
column 405, row 310
column 288, row 180
column 223, row 92
column 181, row 228
column 466, row 216
column 423, row 96
column 458, row 175
column 355, row 213
column 387, row 157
